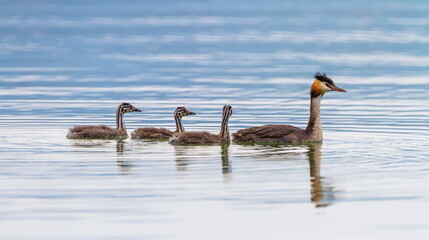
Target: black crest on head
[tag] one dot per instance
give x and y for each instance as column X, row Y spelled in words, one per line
column 322, row 77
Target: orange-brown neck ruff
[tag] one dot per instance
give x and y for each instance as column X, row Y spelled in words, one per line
column 317, row 88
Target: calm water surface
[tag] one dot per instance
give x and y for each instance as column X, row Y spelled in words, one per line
column 67, row 63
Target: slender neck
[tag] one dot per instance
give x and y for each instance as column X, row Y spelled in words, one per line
column 314, row 126
column 224, row 131
column 179, row 125
column 120, row 119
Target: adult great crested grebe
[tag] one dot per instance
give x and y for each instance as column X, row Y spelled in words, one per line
column 206, row 137
column 288, row 133
column 162, row 133
column 103, row 131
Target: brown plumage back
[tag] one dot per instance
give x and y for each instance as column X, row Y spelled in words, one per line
column 151, row 133
column 270, row 133
column 197, row 138
column 101, row 131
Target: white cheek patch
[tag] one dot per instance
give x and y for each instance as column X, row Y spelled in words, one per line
column 326, row 88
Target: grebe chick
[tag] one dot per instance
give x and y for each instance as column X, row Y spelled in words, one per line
column 162, row 133
column 206, row 137
column 288, row 133
column 103, row 131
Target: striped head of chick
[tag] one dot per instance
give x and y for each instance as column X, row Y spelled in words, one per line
column 183, row 111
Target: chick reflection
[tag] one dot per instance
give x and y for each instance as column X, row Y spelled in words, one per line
column 184, row 157
column 322, row 194
column 224, row 154
column 182, row 161
column 124, row 167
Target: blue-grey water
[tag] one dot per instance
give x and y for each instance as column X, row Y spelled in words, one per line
column 67, row 63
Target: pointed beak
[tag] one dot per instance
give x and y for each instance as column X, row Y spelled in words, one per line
column 137, row 110
column 337, row 89
column 190, row 113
